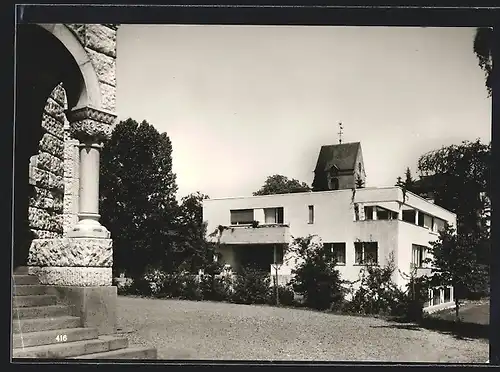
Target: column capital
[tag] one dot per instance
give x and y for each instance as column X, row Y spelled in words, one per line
column 88, row 124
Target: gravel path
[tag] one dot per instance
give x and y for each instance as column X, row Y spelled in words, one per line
column 221, row 331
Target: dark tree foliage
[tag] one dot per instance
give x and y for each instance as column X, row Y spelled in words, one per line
column 315, row 276
column 278, row 184
column 137, row 196
column 458, row 175
column 409, row 184
column 191, row 249
column 251, row 286
column 483, row 44
column 455, row 262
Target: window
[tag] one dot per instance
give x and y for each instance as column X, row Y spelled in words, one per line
column 368, row 213
column 366, row 253
column 273, row 215
column 447, row 294
column 334, row 183
column 311, row 214
column 419, row 253
column 409, row 215
column 421, row 217
column 386, row 214
column 436, row 296
column 439, row 224
column 428, row 221
column 359, row 167
column 356, row 212
column 337, row 250
column 242, row 216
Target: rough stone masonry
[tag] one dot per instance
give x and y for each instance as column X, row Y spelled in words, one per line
column 55, row 173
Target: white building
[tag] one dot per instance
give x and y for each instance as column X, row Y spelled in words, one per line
column 361, row 226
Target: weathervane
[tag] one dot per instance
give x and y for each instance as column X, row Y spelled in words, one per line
column 340, row 132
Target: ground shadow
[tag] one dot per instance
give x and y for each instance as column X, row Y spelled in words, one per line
column 460, row 330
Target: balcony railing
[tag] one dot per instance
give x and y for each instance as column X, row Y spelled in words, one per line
column 261, row 234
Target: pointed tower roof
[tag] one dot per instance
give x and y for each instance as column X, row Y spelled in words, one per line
column 342, row 156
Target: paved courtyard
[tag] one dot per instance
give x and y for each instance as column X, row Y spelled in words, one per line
column 221, row 331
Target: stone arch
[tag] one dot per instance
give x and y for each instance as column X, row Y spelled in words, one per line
column 90, row 92
column 47, row 57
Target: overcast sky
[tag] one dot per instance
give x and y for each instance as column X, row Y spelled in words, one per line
column 241, row 103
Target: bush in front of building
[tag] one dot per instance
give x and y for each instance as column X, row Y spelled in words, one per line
column 377, row 293
column 250, row 286
column 213, row 285
column 315, row 276
column 149, row 284
column 410, row 306
column 190, row 287
column 182, row 285
column 286, row 295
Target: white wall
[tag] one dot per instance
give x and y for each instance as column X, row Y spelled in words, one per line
column 410, row 234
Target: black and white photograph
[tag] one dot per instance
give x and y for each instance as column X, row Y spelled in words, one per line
column 250, row 192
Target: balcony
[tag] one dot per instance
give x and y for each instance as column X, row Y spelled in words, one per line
column 262, row 234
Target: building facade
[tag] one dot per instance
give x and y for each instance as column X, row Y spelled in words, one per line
column 360, row 226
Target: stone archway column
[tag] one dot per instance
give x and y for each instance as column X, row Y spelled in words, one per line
column 78, row 267
column 90, row 127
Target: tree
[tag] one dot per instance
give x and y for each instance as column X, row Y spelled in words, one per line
column 315, row 274
column 454, row 262
column 483, row 44
column 458, row 178
column 409, row 184
column 278, row 184
column 191, row 248
column 409, row 181
column 458, row 175
column 137, row 196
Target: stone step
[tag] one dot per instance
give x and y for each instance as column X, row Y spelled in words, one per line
column 30, row 289
column 39, row 312
column 25, row 279
column 21, row 270
column 128, row 353
column 34, row 300
column 45, row 324
column 57, row 336
column 72, row 349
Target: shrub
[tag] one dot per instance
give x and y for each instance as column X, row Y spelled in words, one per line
column 182, row 285
column 123, row 287
column 172, row 286
column 251, row 286
column 378, row 294
column 286, row 295
column 315, row 276
column 215, row 287
column 190, row 288
column 155, row 279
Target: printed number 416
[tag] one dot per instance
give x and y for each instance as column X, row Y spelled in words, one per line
column 61, row 338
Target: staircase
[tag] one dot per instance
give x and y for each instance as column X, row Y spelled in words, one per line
column 43, row 328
